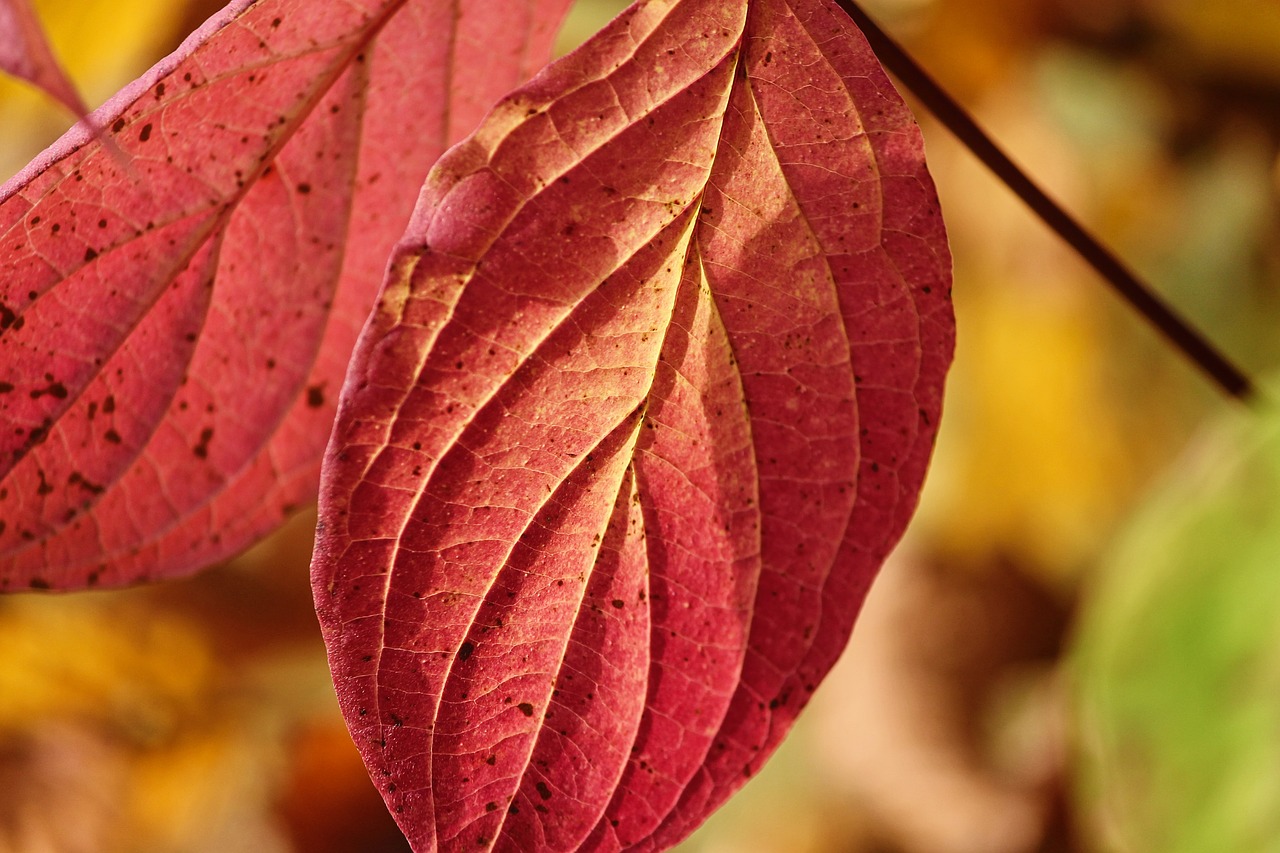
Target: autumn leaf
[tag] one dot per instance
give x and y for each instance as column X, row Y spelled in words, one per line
column 25, row 53
column 175, row 322
column 648, row 396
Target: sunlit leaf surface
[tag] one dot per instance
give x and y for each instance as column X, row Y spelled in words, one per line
column 648, row 396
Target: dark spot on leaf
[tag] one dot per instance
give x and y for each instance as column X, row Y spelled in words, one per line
column 304, row 188
column 145, row 134
column 543, row 790
column 619, row 603
column 118, row 125
column 464, row 651
column 202, row 447
column 40, row 583
column 78, row 479
column 55, row 389
column 526, row 709
column 315, row 396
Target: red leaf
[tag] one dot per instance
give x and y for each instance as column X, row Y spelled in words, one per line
column 175, row 322
column 648, row 396
column 25, row 53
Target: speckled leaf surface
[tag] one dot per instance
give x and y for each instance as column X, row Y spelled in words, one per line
column 648, row 396
column 178, row 302
column 25, row 53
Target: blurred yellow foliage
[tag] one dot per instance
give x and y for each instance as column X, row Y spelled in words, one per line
column 1031, row 465
column 209, row 792
column 1234, row 36
column 68, row 658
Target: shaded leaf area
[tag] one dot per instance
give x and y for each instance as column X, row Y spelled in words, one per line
column 178, row 302
column 1176, row 662
column 25, row 53
column 648, row 396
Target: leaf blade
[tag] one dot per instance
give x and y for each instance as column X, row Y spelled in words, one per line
column 759, row 439
column 894, row 343
column 345, row 120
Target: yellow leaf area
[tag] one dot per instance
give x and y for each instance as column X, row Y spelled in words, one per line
column 87, row 694
column 194, row 716
column 1236, row 36
column 1032, row 466
column 102, row 45
column 82, row 661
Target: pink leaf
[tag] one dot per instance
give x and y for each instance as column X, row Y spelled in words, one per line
column 175, row 322
column 25, row 53
column 648, row 396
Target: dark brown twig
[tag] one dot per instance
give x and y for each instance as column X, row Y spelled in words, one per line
column 1177, row 331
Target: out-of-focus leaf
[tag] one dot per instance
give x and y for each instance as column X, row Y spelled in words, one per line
column 648, row 396
column 175, row 323
column 78, row 662
column 1177, row 661
column 1036, row 364
column 25, row 53
column 1235, row 38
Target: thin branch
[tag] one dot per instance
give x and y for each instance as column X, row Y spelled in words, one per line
column 1177, row 331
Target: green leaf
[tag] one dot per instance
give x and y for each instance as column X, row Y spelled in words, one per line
column 1177, row 664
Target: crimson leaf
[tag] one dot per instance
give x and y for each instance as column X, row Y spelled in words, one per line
column 178, row 302
column 648, row 395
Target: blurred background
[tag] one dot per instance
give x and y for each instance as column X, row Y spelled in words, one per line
column 1076, row 648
